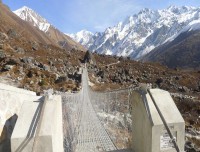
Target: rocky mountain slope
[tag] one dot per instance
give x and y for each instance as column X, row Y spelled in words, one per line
column 139, row 34
column 182, row 52
column 27, row 14
column 30, row 59
column 10, row 21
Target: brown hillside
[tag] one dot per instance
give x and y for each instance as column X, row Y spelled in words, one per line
column 64, row 40
column 183, row 52
column 32, row 59
column 9, row 20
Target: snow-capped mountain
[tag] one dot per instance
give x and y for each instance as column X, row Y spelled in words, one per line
column 182, row 52
column 138, row 34
column 27, row 14
column 192, row 26
column 84, row 37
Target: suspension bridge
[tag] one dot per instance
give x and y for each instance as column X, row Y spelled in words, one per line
column 83, row 129
column 89, row 121
column 102, row 121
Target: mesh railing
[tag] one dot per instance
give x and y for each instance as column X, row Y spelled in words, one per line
column 114, row 111
column 96, row 121
column 72, row 110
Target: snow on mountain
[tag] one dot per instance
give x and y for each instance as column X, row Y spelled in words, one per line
column 192, row 26
column 64, row 41
column 31, row 16
column 138, row 34
column 84, row 37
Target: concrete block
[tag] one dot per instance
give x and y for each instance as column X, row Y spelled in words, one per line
column 25, row 127
column 149, row 132
column 49, row 132
column 11, row 100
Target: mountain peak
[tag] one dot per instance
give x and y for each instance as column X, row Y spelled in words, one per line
column 179, row 10
column 145, row 10
column 25, row 8
column 172, row 7
column 85, row 32
column 27, row 14
column 83, row 37
column 140, row 33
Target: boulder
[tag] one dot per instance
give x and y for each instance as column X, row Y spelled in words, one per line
column 41, row 65
column 12, row 61
column 126, row 71
column 12, row 33
column 50, row 63
column 61, row 79
column 60, row 60
column 20, row 50
column 2, row 54
column 7, row 67
column 54, row 69
column 1, row 46
column 177, row 78
column 75, row 76
column 183, row 89
column 34, row 46
column 100, row 74
column 46, row 67
column 89, row 58
column 30, row 74
column 28, row 60
column 3, row 36
column 190, row 147
column 159, row 81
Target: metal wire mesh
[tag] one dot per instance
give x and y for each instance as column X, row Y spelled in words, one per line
column 114, row 111
column 72, row 110
column 96, row 121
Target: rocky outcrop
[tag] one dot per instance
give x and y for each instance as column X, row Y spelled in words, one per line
column 89, row 58
column 12, row 33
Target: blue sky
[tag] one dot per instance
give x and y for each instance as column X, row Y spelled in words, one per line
column 71, row 16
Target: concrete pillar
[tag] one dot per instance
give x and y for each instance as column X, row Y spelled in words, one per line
column 149, row 132
column 11, row 100
column 39, row 130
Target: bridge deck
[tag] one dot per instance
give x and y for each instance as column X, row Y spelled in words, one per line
column 90, row 135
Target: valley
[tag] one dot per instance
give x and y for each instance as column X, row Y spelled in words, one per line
column 155, row 47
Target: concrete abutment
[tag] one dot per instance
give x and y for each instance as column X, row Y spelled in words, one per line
column 149, row 132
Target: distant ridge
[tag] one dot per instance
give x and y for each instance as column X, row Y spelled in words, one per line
column 30, row 16
column 182, row 52
column 140, row 33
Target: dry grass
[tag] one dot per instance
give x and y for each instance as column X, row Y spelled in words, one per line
column 195, row 141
